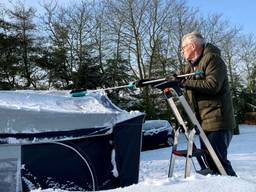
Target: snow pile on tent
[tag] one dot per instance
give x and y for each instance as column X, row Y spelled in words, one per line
column 52, row 101
column 41, row 111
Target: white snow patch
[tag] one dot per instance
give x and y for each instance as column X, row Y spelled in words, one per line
column 51, row 101
column 113, row 162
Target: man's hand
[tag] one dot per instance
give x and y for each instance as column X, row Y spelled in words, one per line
column 175, row 77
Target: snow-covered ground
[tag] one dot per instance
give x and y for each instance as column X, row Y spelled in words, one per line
column 154, row 168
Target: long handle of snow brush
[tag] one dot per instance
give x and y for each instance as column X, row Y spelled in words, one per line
column 152, row 82
column 83, row 92
column 131, row 85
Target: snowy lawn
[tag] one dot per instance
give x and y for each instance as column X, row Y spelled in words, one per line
column 154, row 168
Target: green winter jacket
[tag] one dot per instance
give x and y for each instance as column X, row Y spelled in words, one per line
column 209, row 94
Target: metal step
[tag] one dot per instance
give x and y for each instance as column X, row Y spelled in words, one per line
column 183, row 153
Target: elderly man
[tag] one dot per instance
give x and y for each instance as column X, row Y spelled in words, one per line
column 209, row 95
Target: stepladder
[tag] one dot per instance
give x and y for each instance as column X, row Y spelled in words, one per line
column 190, row 131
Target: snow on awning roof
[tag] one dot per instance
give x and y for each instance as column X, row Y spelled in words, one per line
column 54, row 101
column 41, row 111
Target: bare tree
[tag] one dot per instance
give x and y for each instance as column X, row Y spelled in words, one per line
column 57, row 28
column 247, row 53
column 183, row 20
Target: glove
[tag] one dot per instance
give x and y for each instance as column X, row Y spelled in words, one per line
column 181, row 82
column 175, row 77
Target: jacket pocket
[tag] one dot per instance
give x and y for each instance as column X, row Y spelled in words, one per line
column 210, row 109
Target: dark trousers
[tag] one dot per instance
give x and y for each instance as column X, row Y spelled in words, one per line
column 220, row 141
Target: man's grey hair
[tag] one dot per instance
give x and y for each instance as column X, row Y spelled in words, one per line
column 193, row 37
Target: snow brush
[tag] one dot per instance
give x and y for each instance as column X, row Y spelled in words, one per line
column 83, row 92
column 132, row 85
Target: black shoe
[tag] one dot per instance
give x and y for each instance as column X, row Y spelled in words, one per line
column 205, row 171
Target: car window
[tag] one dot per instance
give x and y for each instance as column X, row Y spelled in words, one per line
column 155, row 124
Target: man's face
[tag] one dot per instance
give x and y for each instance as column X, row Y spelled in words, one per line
column 187, row 50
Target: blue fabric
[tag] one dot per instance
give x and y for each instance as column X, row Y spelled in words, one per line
column 220, row 141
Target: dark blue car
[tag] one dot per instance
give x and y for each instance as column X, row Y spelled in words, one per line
column 156, row 133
